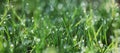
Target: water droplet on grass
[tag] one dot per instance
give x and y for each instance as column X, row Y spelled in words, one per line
column 25, row 36
column 4, row 22
column 27, row 4
column 50, row 50
column 75, row 38
column 83, row 41
column 111, row 37
column 61, row 28
column 47, row 27
column 67, row 13
column 11, row 45
column 4, row 44
column 65, row 38
column 23, row 22
column 65, row 47
column 37, row 40
column 117, row 14
column 32, row 31
column 2, row 28
column 83, row 4
column 100, row 43
column 42, row 18
column 60, row 6
column 104, row 22
column 14, row 30
column 53, row 32
column 11, row 33
column 51, row 8
column 83, row 49
column 7, row 5
column 117, row 31
column 8, row 15
column 86, row 28
column 56, row 29
column 39, row 8
column 11, row 6
column 32, row 19
column 119, row 45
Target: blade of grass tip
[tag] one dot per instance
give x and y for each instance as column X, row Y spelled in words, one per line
column 96, row 34
column 64, row 23
column 4, row 15
column 89, row 23
column 74, row 13
column 32, row 49
column 108, row 48
column 5, row 12
column 117, row 33
column 105, row 37
column 79, row 41
column 90, row 38
column 6, row 31
column 89, row 18
column 36, row 14
column 77, row 23
column 93, row 28
column 98, row 31
column 8, row 3
column 113, row 8
column 14, row 12
column 112, row 45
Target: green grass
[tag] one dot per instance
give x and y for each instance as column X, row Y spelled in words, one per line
column 59, row 26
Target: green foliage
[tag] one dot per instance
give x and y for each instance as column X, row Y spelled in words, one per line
column 59, row 26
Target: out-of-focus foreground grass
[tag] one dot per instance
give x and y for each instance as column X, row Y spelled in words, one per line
column 59, row 26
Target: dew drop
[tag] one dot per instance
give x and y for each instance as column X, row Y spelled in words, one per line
column 86, row 28
column 53, row 32
column 23, row 22
column 32, row 31
column 104, row 22
column 83, row 49
column 47, row 27
column 4, row 44
column 82, row 40
column 36, row 39
column 27, row 4
column 4, row 22
column 60, row 6
column 65, row 46
column 56, row 29
column 65, row 38
column 51, row 8
column 67, row 13
column 32, row 20
column 11, row 45
column 117, row 14
column 61, row 28
column 8, row 15
column 11, row 33
column 42, row 18
column 2, row 28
